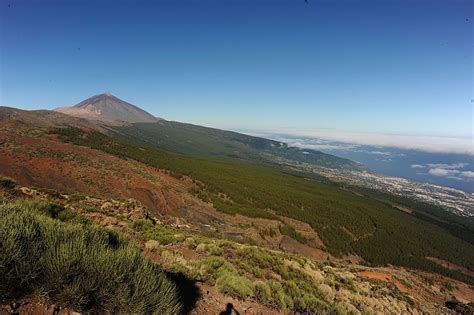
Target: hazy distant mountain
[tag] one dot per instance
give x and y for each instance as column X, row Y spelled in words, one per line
column 145, row 129
column 106, row 107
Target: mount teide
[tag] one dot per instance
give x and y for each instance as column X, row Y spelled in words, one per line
column 106, row 107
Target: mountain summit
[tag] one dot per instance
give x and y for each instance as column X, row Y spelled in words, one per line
column 106, row 107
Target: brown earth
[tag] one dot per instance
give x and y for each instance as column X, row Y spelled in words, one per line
column 33, row 306
column 214, row 302
column 376, row 275
column 451, row 266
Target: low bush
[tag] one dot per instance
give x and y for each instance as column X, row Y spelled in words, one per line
column 78, row 266
column 190, row 243
column 55, row 211
column 223, row 275
column 6, row 182
column 212, row 268
column 234, row 285
column 256, row 256
column 160, row 233
column 141, row 225
column 213, row 249
column 254, row 270
column 279, row 298
column 262, row 292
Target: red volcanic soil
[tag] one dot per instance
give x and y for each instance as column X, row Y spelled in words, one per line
column 46, row 162
column 376, row 275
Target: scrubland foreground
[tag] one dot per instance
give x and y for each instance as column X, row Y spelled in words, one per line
column 65, row 253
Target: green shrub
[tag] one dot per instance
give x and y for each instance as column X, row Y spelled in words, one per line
column 201, row 248
column 308, row 303
column 213, row 249
column 212, row 268
column 256, row 256
column 262, row 292
column 79, row 266
column 50, row 192
column 234, row 285
column 267, row 232
column 190, row 243
column 141, row 225
column 159, row 233
column 279, row 297
column 6, row 182
column 54, row 211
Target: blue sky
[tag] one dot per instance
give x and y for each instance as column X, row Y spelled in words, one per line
column 402, row 67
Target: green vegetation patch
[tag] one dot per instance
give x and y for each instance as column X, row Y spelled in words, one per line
column 45, row 250
column 163, row 234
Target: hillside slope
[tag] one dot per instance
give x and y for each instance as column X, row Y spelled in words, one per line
column 347, row 221
column 211, row 275
column 221, row 144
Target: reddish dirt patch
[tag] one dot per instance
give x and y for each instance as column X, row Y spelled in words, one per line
column 32, row 306
column 463, row 292
column 451, row 266
column 45, row 162
column 401, row 287
column 376, row 275
column 353, row 259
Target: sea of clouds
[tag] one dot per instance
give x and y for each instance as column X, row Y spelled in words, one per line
column 434, row 144
column 446, row 161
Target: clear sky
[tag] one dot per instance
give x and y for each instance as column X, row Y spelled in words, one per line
column 369, row 66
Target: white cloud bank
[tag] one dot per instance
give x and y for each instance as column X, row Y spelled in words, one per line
column 454, row 166
column 433, row 144
column 452, row 171
column 468, row 174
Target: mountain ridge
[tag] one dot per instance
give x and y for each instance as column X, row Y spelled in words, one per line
column 107, row 107
column 144, row 129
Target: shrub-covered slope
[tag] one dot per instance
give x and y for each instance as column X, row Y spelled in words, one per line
column 215, row 271
column 215, row 143
column 347, row 222
column 45, row 249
